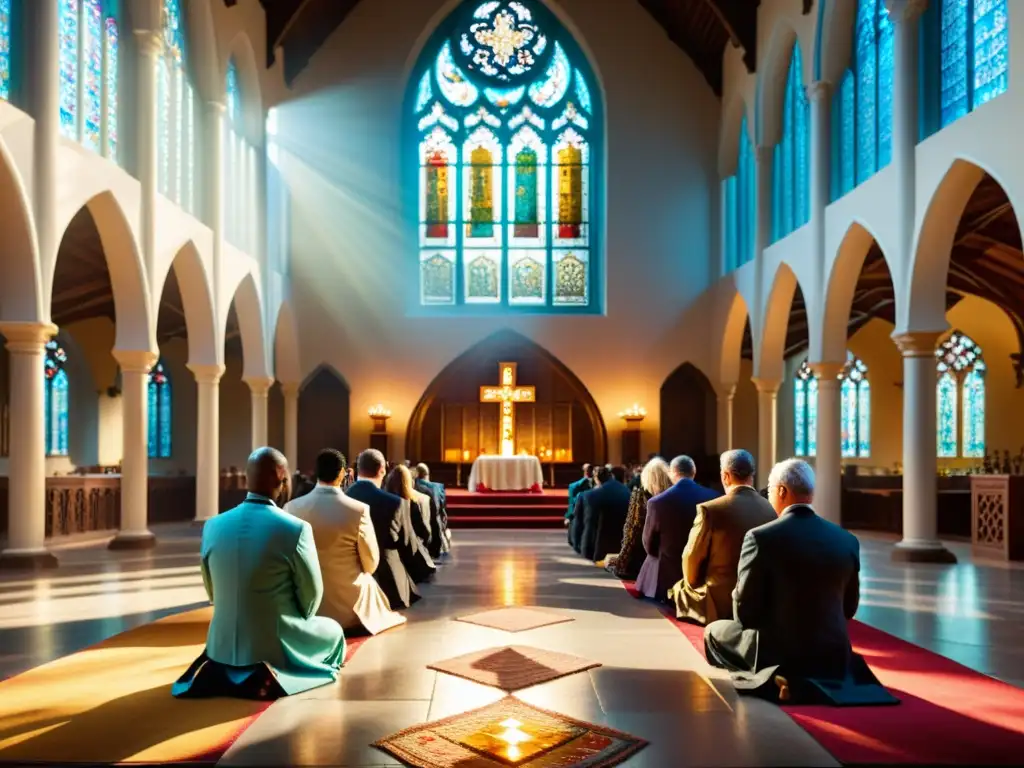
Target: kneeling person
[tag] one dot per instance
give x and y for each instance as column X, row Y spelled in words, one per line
column 261, row 573
column 346, row 546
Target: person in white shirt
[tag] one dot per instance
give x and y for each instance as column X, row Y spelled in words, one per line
column 346, row 546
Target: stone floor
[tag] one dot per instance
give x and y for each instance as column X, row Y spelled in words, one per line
column 652, row 683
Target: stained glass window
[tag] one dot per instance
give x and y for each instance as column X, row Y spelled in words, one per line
column 862, row 106
column 111, row 86
column 855, row 410
column 974, row 55
column 160, row 410
column 505, row 117
column 56, row 399
column 5, row 49
column 176, row 129
column 234, row 93
column 960, row 396
column 92, row 90
column 790, row 177
column 69, row 21
column 741, row 204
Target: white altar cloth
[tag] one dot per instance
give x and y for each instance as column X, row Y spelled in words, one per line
column 506, row 473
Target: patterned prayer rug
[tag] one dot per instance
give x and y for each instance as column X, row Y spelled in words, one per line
column 510, row 733
column 515, row 619
column 514, row 667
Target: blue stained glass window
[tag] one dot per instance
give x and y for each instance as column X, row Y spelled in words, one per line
column 991, row 50
column 93, row 84
column 954, row 61
column 174, row 31
column 55, row 401
column 961, row 371
column 864, row 429
column 866, row 57
column 800, row 416
column 812, row 416
column 741, row 204
column 855, row 410
column 790, row 179
column 974, row 55
column 234, row 94
column 886, row 67
column 111, row 86
column 69, row 68
column 847, row 142
column 176, row 131
column 160, row 411
column 5, row 49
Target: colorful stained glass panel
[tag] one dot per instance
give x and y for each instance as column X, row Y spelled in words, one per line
column 946, row 396
column 886, row 66
column 527, row 277
column 111, row 85
column 954, row 61
column 437, row 277
column 864, row 420
column 572, row 277
column 438, row 188
column 812, row 416
column 483, row 277
column 799, row 417
column 482, row 184
column 991, row 50
column 68, row 30
column 974, row 412
column 92, row 90
column 5, row 49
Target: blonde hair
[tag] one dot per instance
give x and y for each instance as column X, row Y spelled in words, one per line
column 655, row 478
column 399, row 482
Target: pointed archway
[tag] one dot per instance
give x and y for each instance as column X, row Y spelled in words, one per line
column 323, row 416
column 689, row 417
column 450, row 423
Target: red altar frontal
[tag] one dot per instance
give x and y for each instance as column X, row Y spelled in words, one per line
column 496, row 474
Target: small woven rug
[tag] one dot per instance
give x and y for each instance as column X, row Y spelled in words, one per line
column 515, row 619
column 514, row 667
column 510, row 732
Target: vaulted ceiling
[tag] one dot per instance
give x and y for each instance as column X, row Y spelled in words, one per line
column 701, row 28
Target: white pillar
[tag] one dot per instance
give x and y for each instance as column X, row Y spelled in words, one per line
column 291, row 423
column 259, row 388
column 214, row 199
column 763, row 229
column 725, row 393
column 767, row 418
column 135, row 533
column 150, row 48
column 207, row 440
column 26, row 467
column 920, row 466
column 828, row 463
column 818, row 94
column 43, row 66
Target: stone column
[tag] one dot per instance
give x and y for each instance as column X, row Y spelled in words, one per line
column 207, row 440
column 259, row 388
column 26, row 467
column 43, row 68
column 828, row 464
column 920, row 466
column 150, row 48
column 819, row 95
column 135, row 533
column 767, row 397
column 763, row 230
column 726, row 393
column 291, row 423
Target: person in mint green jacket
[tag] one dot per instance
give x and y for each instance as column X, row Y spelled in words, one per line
column 261, row 572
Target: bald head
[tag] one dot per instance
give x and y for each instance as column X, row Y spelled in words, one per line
column 266, row 473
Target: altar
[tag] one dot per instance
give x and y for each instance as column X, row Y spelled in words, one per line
column 506, row 473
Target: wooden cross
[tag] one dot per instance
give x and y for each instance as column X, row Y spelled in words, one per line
column 507, row 394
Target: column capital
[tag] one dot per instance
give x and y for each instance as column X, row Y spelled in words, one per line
column 767, row 386
column 905, row 11
column 917, row 343
column 819, row 90
column 27, row 338
column 725, row 391
column 206, row 374
column 259, row 385
column 150, row 42
column 135, row 360
column 827, row 372
column 290, row 389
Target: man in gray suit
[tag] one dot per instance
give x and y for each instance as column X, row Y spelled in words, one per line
column 797, row 586
column 712, row 552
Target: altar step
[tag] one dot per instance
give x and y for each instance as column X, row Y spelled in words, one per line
column 507, row 510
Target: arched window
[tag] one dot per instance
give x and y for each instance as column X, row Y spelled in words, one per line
column 177, row 108
column 55, row 403
column 741, row 205
column 5, row 49
column 961, row 372
column 855, row 409
column 975, row 55
column 239, row 169
column 790, row 178
column 159, row 413
column 506, row 123
column 862, row 107
column 88, row 75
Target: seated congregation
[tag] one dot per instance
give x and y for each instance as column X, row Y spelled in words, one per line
column 774, row 583
column 289, row 579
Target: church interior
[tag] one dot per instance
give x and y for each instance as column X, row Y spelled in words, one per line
column 493, row 242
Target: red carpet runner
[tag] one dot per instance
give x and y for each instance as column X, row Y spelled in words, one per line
column 949, row 713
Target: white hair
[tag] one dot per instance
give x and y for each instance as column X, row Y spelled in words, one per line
column 795, row 475
column 655, row 478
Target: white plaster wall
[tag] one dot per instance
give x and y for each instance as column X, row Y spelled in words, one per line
column 340, row 154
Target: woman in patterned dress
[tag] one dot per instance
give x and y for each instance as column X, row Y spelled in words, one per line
column 653, row 480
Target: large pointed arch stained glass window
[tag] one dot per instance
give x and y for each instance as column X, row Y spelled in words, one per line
column 56, row 397
column 506, row 122
column 791, row 169
column 960, row 398
column 160, row 412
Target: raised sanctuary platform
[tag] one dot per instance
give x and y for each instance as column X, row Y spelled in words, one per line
column 507, row 510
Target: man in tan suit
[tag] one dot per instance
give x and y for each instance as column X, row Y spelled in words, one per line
column 347, row 548
column 712, row 553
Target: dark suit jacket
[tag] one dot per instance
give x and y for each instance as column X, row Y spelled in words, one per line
column 712, row 553
column 389, row 524
column 438, row 516
column 604, row 517
column 798, row 584
column 670, row 516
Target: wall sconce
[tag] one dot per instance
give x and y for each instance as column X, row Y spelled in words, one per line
column 633, row 415
column 380, row 416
